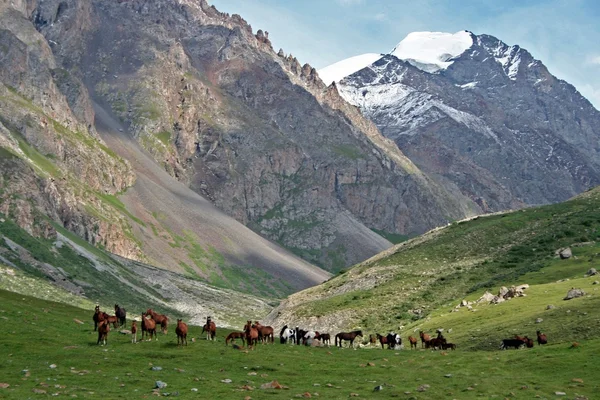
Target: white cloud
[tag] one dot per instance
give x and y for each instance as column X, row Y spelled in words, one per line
column 349, row 2
column 380, row 17
column 595, row 60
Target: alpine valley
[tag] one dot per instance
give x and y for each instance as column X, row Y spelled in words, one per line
column 161, row 153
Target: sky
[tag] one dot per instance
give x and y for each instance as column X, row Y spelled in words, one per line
column 563, row 34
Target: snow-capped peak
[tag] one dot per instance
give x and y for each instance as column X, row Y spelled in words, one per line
column 432, row 51
column 341, row 69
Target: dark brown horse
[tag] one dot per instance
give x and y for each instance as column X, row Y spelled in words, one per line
column 161, row 319
column 103, row 329
column 251, row 333
column 121, row 314
column 425, row 338
column 325, row 338
column 413, row 342
column 98, row 316
column 265, row 333
column 181, row 331
column 350, row 336
column 541, row 338
column 383, row 340
column 210, row 328
column 235, row 335
column 148, row 327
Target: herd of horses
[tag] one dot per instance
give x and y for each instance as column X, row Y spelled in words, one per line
column 254, row 333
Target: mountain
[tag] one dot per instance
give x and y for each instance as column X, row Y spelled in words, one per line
column 426, row 277
column 481, row 116
column 252, row 131
column 68, row 163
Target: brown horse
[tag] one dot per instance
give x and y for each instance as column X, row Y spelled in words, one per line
column 181, row 331
column 161, row 319
column 121, row 314
column 133, row 332
column 541, row 338
column 251, row 333
column 382, row 340
column 98, row 316
column 413, row 342
column 235, row 335
column 265, row 333
column 350, row 336
column 149, row 327
column 425, row 338
column 112, row 319
column 210, row 328
column 326, row 338
column 103, row 329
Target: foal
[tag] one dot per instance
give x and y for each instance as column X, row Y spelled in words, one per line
column 134, row 332
column 103, row 329
column 413, row 342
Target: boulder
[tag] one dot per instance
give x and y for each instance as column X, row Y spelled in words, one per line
column 485, row 298
column 497, row 299
column 573, row 293
column 592, row 272
column 565, row 253
column 502, row 292
column 549, row 307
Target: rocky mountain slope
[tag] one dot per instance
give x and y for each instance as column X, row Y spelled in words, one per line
column 480, row 115
column 57, row 170
column 252, row 130
column 68, row 269
column 435, row 271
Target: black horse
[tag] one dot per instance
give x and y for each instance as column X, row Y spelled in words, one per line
column 300, row 334
column 347, row 336
column 121, row 314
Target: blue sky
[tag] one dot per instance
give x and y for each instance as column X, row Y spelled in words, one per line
column 563, row 34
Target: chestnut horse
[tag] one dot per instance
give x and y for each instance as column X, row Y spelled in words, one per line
column 425, row 338
column 265, row 333
column 161, row 319
column 121, row 314
column 235, row 335
column 181, row 331
column 210, row 328
column 103, row 329
column 251, row 333
column 413, row 342
column 350, row 336
column 149, row 327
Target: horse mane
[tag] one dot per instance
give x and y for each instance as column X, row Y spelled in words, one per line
column 282, row 330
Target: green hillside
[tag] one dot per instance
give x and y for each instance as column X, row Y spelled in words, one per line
column 416, row 282
column 47, row 353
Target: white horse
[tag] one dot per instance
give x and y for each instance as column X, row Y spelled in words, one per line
column 287, row 335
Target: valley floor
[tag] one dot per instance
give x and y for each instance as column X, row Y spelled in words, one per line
column 46, row 352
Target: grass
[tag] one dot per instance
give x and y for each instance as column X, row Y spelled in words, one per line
column 39, row 334
column 465, row 258
column 164, row 137
column 348, row 151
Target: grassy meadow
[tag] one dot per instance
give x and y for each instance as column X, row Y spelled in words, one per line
column 38, row 334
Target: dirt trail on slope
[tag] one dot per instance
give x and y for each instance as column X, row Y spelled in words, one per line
column 167, row 206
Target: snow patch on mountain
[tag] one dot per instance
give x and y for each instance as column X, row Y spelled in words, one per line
column 341, row 69
column 432, row 51
column 509, row 57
